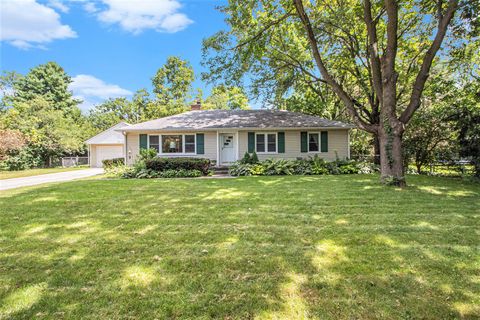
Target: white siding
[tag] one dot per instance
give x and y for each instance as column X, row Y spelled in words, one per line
column 93, row 155
column 133, row 145
column 337, row 145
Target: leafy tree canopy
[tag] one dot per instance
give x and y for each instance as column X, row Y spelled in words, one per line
column 227, row 98
column 173, row 81
column 50, row 82
column 45, row 127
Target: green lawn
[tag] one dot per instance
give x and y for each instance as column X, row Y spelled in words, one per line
column 328, row 247
column 35, row 172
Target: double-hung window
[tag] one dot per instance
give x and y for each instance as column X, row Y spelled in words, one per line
column 189, row 143
column 313, row 142
column 266, row 143
column 154, row 143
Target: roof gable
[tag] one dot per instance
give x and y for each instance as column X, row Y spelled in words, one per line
column 109, row 136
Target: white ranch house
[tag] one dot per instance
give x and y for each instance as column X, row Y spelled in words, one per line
column 223, row 136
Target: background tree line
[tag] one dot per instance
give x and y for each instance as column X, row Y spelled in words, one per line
column 40, row 120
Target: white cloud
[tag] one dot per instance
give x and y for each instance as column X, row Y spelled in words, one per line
column 90, row 7
column 58, row 5
column 136, row 16
column 93, row 90
column 26, row 24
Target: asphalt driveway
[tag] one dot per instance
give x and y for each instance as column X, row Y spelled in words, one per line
column 50, row 177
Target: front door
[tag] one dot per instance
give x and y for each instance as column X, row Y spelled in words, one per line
column 227, row 148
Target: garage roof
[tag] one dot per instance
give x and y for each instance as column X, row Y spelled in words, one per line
column 109, row 136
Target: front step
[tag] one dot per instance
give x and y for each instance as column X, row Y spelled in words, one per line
column 220, row 170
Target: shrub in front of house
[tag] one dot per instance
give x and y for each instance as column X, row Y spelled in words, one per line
column 147, row 167
column 249, row 158
column 310, row 166
column 171, row 173
column 164, row 164
column 108, row 163
column 127, row 172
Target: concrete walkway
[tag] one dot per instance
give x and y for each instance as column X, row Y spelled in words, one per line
column 49, row 177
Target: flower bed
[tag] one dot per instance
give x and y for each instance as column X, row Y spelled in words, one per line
column 310, row 166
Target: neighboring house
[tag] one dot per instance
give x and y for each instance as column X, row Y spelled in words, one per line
column 109, row 144
column 224, row 136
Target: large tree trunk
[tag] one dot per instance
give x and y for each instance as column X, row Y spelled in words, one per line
column 391, row 156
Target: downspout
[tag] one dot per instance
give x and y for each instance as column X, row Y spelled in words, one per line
column 237, row 149
column 348, row 143
column 126, row 147
column 218, row 150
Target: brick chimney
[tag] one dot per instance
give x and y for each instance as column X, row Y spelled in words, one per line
column 197, row 105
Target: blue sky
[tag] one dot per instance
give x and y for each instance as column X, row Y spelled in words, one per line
column 109, row 47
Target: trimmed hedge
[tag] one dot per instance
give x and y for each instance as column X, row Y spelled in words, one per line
column 164, row 164
column 149, row 174
column 108, row 163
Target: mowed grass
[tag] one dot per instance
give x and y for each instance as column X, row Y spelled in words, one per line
column 329, row 247
column 35, row 172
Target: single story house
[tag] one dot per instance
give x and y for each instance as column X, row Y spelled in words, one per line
column 223, row 136
column 109, row 144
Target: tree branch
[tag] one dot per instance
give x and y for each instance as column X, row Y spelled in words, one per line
column 373, row 50
column 336, row 87
column 409, row 68
column 423, row 74
column 265, row 28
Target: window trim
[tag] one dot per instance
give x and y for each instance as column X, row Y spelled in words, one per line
column 319, row 141
column 265, row 134
column 160, row 140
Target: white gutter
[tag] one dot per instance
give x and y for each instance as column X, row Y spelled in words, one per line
column 233, row 128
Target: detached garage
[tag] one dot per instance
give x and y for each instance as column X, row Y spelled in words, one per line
column 109, row 144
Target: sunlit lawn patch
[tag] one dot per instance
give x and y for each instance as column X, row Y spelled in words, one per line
column 328, row 247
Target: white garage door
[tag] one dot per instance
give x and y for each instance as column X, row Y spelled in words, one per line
column 108, row 152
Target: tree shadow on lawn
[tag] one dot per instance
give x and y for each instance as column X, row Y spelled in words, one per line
column 267, row 247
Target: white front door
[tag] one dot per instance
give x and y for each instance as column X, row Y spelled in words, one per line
column 227, row 148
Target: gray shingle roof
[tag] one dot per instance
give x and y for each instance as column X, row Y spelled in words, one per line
column 236, row 119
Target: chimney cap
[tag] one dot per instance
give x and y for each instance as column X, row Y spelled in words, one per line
column 197, row 105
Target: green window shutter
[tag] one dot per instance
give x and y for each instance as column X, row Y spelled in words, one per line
column 251, row 142
column 303, row 142
column 200, row 143
column 281, row 142
column 143, row 141
column 324, row 141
